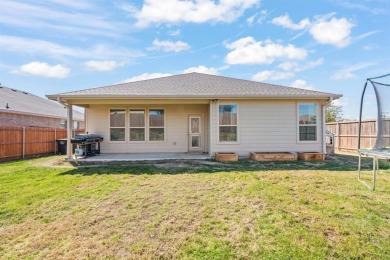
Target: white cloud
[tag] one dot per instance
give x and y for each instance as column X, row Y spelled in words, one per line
column 288, row 65
column 249, row 51
column 146, row 76
column 325, row 29
column 369, row 8
column 365, row 35
column 300, row 83
column 174, row 33
column 347, row 73
column 369, row 47
column 342, row 102
column 53, row 17
column 202, row 69
column 38, row 47
column 169, row 46
column 97, row 65
column 286, row 22
column 271, row 75
column 251, row 19
column 73, row 4
column 258, row 17
column 335, row 32
column 342, row 75
column 43, row 69
column 189, row 11
column 294, row 66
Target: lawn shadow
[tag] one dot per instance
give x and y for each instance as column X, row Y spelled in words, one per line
column 332, row 163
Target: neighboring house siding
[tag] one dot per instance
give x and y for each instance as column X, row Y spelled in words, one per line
column 176, row 128
column 14, row 119
column 266, row 126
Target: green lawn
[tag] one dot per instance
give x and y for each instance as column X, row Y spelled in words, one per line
column 193, row 210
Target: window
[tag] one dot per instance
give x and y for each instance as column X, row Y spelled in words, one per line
column 307, row 114
column 228, row 123
column 137, row 125
column 117, row 124
column 156, row 125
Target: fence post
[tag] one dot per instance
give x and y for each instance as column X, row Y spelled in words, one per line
column 338, row 136
column 24, row 142
column 55, row 141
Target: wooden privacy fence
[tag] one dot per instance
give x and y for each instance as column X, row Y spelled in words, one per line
column 346, row 134
column 24, row 142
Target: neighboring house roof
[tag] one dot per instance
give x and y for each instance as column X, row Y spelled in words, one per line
column 194, row 85
column 22, row 102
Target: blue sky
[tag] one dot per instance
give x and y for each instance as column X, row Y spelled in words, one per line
column 57, row 46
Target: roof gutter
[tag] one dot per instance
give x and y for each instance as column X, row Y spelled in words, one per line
column 59, row 98
column 60, row 101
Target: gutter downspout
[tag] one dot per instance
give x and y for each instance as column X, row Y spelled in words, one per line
column 69, row 127
column 324, row 105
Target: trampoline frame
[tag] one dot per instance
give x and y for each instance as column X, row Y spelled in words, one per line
column 376, row 154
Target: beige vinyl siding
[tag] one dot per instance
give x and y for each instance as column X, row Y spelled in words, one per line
column 266, row 126
column 176, row 128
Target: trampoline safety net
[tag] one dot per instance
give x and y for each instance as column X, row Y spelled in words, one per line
column 376, row 100
column 380, row 94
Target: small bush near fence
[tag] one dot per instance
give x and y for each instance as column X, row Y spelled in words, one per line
column 24, row 142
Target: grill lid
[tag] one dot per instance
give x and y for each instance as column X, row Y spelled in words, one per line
column 87, row 136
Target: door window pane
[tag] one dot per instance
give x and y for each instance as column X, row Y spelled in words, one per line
column 195, row 125
column 195, row 141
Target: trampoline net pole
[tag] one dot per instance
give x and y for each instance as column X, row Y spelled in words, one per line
column 361, row 113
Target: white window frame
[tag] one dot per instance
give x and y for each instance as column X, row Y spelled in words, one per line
column 164, row 127
column 238, row 123
column 109, row 125
column 146, row 113
column 316, row 124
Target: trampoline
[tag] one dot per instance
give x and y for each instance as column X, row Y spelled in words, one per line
column 381, row 150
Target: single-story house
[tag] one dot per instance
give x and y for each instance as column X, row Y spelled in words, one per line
column 20, row 108
column 197, row 112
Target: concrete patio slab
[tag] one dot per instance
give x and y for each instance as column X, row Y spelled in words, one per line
column 143, row 157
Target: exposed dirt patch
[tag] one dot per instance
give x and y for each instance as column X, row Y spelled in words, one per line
column 54, row 161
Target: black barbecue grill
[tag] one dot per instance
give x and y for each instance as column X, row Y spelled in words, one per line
column 87, row 144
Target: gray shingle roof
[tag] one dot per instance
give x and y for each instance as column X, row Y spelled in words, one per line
column 195, row 85
column 26, row 103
